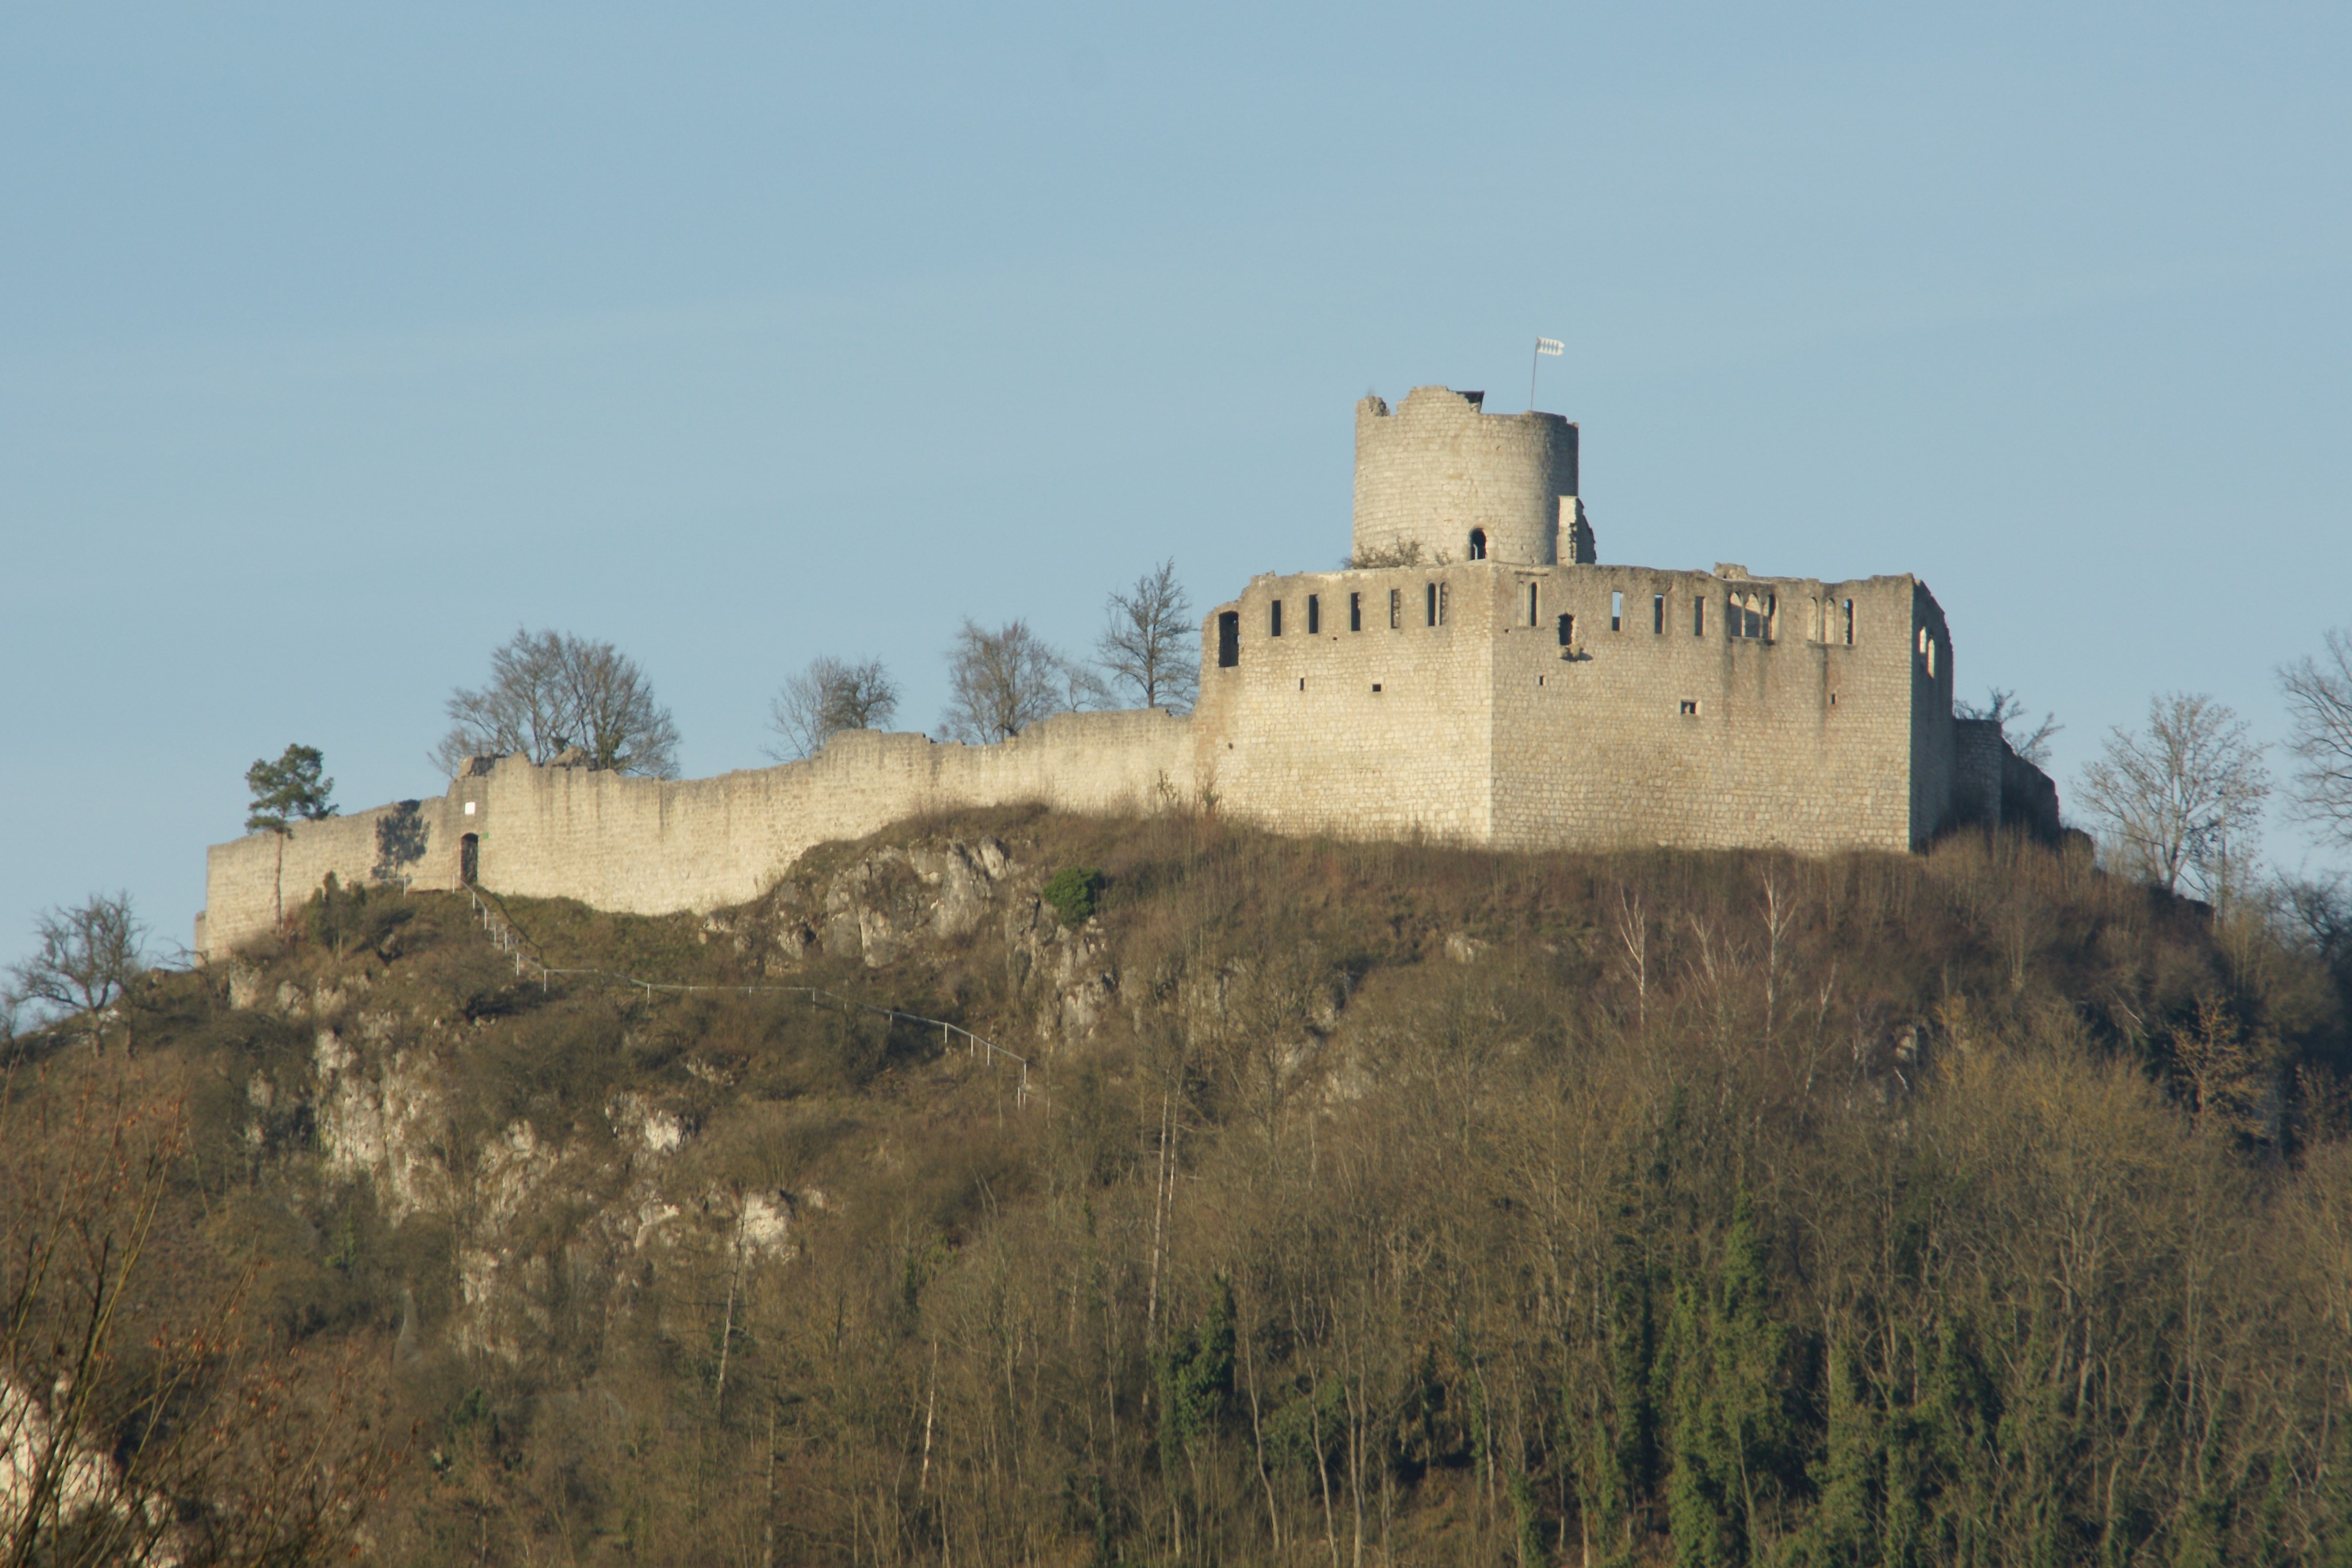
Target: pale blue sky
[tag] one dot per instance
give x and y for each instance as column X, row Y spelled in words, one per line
column 336, row 343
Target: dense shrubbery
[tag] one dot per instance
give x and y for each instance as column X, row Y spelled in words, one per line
column 1413, row 1206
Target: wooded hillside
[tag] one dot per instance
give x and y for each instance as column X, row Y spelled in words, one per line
column 1365, row 1204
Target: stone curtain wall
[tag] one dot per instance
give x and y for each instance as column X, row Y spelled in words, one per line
column 241, row 877
column 1381, row 733
column 1934, row 753
column 1481, row 732
column 650, row 846
column 1437, row 468
column 1475, row 730
column 1977, row 752
column 1596, row 750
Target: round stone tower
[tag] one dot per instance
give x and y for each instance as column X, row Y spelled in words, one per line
column 1462, row 483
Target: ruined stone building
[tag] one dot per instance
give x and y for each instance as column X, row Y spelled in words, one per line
column 1476, row 676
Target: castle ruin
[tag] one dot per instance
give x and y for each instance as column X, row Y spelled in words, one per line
column 1474, row 676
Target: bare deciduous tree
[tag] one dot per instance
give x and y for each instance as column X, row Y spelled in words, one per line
column 87, row 957
column 829, row 696
column 2003, row 708
column 1151, row 646
column 1000, row 683
column 2182, row 798
column 548, row 692
column 1082, row 689
column 135, row 1429
column 2319, row 698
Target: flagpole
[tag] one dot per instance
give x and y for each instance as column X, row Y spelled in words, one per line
column 1543, row 346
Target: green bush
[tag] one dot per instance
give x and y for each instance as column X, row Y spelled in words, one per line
column 1071, row 892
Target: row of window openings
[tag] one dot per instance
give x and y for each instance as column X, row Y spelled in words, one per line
column 1745, row 616
column 1435, row 603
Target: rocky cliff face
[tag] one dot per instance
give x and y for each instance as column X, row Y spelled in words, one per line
column 392, row 1090
column 893, row 905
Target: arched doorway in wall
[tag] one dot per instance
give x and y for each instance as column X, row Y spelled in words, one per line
column 1477, row 543
column 469, row 859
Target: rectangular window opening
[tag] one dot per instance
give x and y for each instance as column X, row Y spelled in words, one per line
column 1690, row 707
column 1429, row 603
column 1313, row 613
column 1302, row 682
column 1658, row 615
column 1617, row 612
column 1396, row 608
column 1699, row 616
column 1229, row 638
column 1354, row 613
column 1849, row 623
column 1274, row 618
column 1376, row 685
column 1533, row 620
column 1567, row 630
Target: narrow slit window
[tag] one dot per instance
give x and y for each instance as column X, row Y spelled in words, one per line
column 1931, row 656
column 1617, row 612
column 1922, row 641
column 1441, row 602
column 1533, row 618
column 1699, row 616
column 1429, row 603
column 1658, row 615
column 1354, row 613
column 1396, row 608
column 1229, row 639
column 1313, row 613
column 1849, row 623
column 1274, row 618
column 1568, row 631
column 1773, row 617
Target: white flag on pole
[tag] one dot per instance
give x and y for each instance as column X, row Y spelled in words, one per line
column 1548, row 346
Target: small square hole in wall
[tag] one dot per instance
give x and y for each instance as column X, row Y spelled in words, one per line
column 1690, row 707
column 1376, row 685
column 469, row 807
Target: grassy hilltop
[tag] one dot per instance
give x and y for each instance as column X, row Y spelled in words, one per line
column 1365, row 1204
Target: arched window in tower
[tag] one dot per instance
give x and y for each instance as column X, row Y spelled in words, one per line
column 1477, row 543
